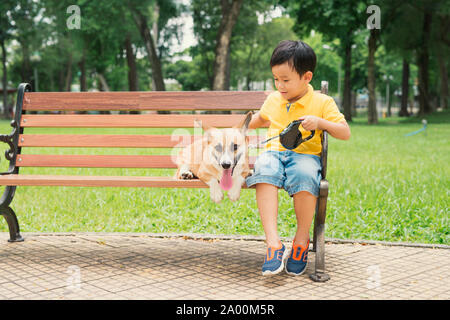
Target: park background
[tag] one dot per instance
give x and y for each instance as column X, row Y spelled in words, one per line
column 384, row 183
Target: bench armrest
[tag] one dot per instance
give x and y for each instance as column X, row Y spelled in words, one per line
column 11, row 153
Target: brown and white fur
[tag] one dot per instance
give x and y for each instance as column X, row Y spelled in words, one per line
column 209, row 158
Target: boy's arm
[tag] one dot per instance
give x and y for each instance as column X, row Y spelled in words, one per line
column 257, row 121
column 339, row 130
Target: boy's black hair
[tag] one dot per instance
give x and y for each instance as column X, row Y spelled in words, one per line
column 297, row 54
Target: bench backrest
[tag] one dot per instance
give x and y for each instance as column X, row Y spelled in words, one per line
column 60, row 108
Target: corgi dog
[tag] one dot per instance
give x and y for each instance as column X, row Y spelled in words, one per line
column 219, row 159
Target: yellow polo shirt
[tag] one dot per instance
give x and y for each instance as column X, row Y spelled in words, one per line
column 312, row 103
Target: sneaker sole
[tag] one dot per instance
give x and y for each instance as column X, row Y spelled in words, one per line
column 293, row 273
column 282, row 266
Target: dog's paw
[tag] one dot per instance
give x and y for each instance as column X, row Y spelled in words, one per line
column 216, row 195
column 234, row 194
column 251, row 172
column 187, row 175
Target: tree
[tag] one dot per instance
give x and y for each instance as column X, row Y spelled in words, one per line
column 26, row 33
column 252, row 47
column 372, row 107
column 421, row 21
column 395, row 42
column 6, row 29
column 254, row 37
column 339, row 19
column 206, row 15
column 157, row 12
column 230, row 12
column 441, row 40
column 389, row 14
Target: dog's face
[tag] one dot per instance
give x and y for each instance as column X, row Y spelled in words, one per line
column 228, row 147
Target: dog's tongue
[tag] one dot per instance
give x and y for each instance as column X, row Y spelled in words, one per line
column 226, row 181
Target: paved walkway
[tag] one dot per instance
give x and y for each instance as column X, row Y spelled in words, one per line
column 143, row 266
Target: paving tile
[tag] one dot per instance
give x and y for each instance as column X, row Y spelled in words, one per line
column 110, row 266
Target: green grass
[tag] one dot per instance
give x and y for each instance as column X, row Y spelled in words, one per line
column 383, row 186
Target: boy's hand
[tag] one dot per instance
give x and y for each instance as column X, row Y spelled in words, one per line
column 310, row 122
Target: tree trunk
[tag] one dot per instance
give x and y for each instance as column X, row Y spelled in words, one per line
column 103, row 87
column 228, row 72
column 103, row 84
column 405, row 90
column 422, row 63
column 68, row 74
column 6, row 113
column 248, row 78
column 444, row 80
column 155, row 31
column 389, row 101
column 353, row 103
column 131, row 61
column 82, row 66
column 230, row 13
column 443, row 63
column 372, row 107
column 157, row 75
column 132, row 71
column 346, row 103
column 61, row 79
column 26, row 65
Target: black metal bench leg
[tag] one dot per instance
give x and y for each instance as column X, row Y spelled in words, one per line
column 13, row 224
column 13, row 141
column 314, row 243
column 319, row 274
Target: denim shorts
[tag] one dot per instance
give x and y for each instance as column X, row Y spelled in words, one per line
column 292, row 171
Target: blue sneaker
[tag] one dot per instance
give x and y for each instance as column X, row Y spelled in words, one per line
column 298, row 259
column 274, row 260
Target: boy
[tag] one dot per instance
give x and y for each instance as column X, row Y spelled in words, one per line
column 297, row 171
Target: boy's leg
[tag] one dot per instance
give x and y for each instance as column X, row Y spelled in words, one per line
column 305, row 206
column 268, row 177
column 303, row 178
column 267, row 201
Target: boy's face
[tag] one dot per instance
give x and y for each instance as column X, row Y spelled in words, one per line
column 289, row 83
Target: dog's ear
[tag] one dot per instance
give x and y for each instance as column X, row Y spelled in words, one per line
column 206, row 129
column 243, row 126
column 200, row 124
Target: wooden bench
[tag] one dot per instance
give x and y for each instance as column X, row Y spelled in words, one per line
column 57, row 110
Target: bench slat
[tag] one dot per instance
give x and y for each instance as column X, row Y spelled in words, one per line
column 99, row 181
column 99, row 161
column 154, row 100
column 107, row 141
column 111, row 141
column 128, row 120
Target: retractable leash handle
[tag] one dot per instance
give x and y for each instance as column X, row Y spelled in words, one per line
column 291, row 137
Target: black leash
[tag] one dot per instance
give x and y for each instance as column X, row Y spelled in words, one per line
column 290, row 137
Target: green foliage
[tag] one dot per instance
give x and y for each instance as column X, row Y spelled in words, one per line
column 188, row 74
column 106, row 24
column 328, row 61
column 254, row 48
column 383, row 186
column 252, row 44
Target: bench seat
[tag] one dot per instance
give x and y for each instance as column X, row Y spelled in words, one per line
column 37, row 114
column 98, row 181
